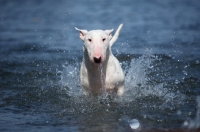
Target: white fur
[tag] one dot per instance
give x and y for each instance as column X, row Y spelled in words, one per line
column 100, row 70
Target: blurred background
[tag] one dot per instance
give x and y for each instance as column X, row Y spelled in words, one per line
column 40, row 56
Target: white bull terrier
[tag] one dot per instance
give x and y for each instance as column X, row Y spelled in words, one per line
column 100, row 70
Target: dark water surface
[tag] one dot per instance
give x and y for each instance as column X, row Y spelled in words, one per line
column 40, row 56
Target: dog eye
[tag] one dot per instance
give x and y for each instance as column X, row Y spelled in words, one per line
column 90, row 40
column 104, row 39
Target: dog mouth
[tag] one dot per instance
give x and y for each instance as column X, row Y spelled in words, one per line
column 97, row 60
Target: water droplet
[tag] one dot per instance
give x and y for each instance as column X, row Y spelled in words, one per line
column 134, row 124
column 70, row 72
column 117, row 51
column 197, row 61
column 83, row 111
column 185, row 123
column 185, row 73
column 185, row 66
column 179, row 112
column 68, row 13
column 177, row 81
column 151, row 67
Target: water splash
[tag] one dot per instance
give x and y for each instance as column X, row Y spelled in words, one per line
column 143, row 93
column 194, row 123
column 138, row 81
column 70, row 79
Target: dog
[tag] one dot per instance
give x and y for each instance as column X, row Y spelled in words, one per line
column 100, row 70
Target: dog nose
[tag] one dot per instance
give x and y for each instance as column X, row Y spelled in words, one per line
column 97, row 60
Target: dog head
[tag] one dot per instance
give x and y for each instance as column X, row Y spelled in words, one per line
column 96, row 44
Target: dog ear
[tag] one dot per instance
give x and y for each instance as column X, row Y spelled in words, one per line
column 82, row 33
column 109, row 33
column 116, row 35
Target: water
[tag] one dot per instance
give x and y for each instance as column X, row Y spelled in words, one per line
column 41, row 53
